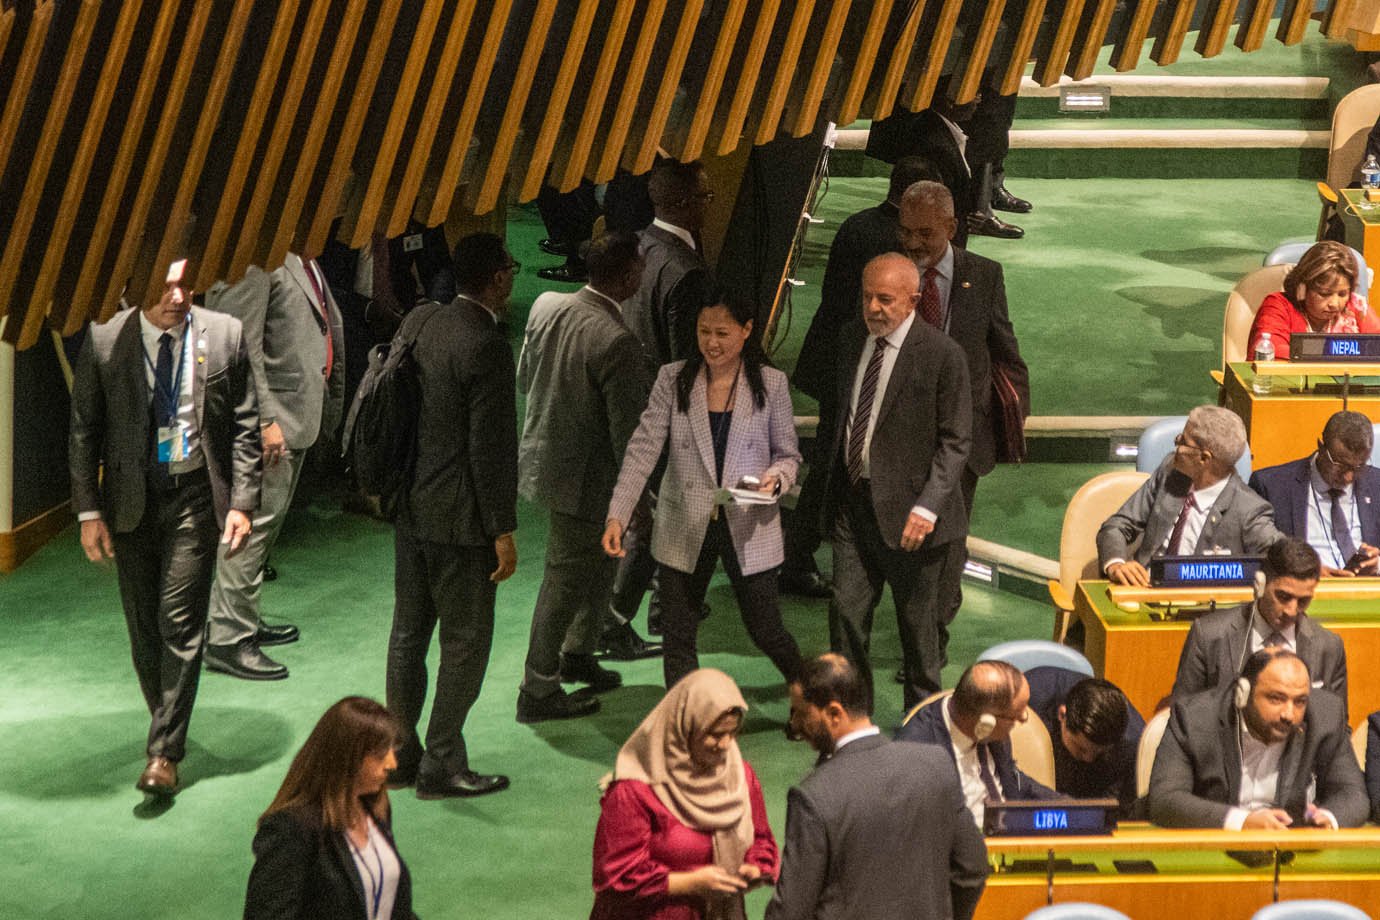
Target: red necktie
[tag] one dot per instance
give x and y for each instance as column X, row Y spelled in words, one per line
column 931, row 310
column 319, row 288
column 1177, row 533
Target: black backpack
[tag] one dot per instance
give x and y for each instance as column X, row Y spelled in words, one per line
column 380, row 439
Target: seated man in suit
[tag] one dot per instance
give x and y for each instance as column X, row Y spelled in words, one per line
column 974, row 725
column 1095, row 733
column 1219, row 643
column 1331, row 499
column 1263, row 752
column 1373, row 764
column 1193, row 504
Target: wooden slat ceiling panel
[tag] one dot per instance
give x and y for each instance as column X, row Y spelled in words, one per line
column 133, row 133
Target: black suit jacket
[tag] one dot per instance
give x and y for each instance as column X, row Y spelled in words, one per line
column 675, row 284
column 1113, row 775
column 980, row 322
column 464, row 489
column 861, row 238
column 1197, row 774
column 927, row 727
column 877, row 831
column 921, row 438
column 1288, row 488
column 304, row 872
column 924, row 134
column 1373, row 764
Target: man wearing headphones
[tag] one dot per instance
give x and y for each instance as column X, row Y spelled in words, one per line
column 974, row 725
column 1263, row 752
column 1218, row 644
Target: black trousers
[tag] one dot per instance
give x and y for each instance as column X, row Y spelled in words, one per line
column 682, row 593
column 437, row 583
column 802, row 523
column 164, row 566
column 637, row 569
column 863, row 566
column 952, row 589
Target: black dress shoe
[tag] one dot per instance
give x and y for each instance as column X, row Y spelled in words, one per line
column 1003, row 200
column 270, row 573
column 622, row 643
column 563, row 273
column 805, row 584
column 556, row 247
column 583, row 669
column 281, row 634
column 559, row 705
column 990, row 225
column 159, row 777
column 464, row 783
column 244, row 660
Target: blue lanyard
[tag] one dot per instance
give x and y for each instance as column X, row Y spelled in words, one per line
column 176, row 395
column 375, row 884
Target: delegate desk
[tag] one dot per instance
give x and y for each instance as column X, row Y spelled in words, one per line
column 1155, row 873
column 1362, row 221
column 1285, row 425
column 1134, row 642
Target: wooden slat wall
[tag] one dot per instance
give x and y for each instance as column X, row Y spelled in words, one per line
column 133, row 133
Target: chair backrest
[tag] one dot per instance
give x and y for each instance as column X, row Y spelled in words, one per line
column 1076, row 911
column 1242, row 304
column 1149, row 744
column 1035, row 653
column 1310, row 910
column 1352, row 120
column 925, row 702
column 1093, row 503
column 1157, row 442
column 1289, row 254
column 1033, row 750
column 1358, row 742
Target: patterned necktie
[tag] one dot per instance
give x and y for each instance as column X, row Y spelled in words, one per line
column 985, row 771
column 1177, row 533
column 1274, row 639
column 862, row 413
column 931, row 310
column 323, row 312
column 1341, row 527
column 164, row 399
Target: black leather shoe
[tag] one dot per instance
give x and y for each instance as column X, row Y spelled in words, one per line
column 559, row 705
column 564, row 274
column 555, row 247
column 991, row 225
column 583, row 669
column 244, row 660
column 622, row 643
column 804, row 584
column 159, row 777
column 281, row 634
column 464, row 783
column 270, row 573
column 1003, row 200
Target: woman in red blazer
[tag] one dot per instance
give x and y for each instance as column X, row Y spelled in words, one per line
column 1318, row 296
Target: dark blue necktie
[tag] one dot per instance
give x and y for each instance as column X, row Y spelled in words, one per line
column 164, row 399
column 1341, row 527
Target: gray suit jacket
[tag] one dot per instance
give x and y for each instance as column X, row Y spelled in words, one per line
column 879, row 831
column 1239, row 521
column 110, row 419
column 1218, row 645
column 284, row 330
column 586, row 381
column 1197, row 772
column 464, row 484
column 760, row 441
column 921, row 440
column 675, row 284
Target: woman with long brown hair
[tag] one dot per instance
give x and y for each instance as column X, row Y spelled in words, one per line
column 1319, row 295
column 324, row 846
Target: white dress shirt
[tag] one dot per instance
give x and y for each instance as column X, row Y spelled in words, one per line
column 854, row 736
column 681, row 232
column 1203, row 500
column 379, row 873
column 1261, row 632
column 480, row 304
column 969, row 769
column 1260, row 781
column 1319, row 531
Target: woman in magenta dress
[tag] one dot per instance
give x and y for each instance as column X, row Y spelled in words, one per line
column 683, row 829
column 1318, row 296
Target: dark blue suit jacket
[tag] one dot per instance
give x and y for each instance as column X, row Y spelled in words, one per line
column 1113, row 775
column 1287, row 488
column 927, row 727
column 1373, row 764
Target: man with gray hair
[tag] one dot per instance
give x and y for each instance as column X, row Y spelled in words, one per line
column 1194, row 504
column 1331, row 499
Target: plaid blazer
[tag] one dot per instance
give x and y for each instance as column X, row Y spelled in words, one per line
column 760, row 441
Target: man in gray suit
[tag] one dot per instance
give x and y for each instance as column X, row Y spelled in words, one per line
column 153, row 487
column 454, row 534
column 1193, row 504
column 586, row 381
column 1259, row 753
column 1219, row 643
column 899, row 446
column 296, row 343
column 879, row 828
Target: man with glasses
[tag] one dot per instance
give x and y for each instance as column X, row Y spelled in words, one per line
column 1193, row 505
column 1331, row 498
column 974, row 725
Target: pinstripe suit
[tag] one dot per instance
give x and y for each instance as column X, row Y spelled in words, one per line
column 685, row 541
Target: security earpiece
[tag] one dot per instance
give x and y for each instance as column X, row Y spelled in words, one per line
column 1243, row 692
column 986, row 724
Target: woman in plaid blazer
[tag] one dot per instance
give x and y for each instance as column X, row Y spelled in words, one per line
column 721, row 415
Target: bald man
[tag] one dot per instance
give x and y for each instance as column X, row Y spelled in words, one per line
column 898, row 449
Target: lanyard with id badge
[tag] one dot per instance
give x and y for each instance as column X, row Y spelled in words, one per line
column 174, row 440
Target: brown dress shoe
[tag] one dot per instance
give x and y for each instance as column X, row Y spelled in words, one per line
column 159, row 777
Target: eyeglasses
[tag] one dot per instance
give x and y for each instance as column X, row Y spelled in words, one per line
column 1181, row 440
column 1342, row 467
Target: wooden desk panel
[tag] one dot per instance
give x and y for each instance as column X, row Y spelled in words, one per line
column 1285, row 425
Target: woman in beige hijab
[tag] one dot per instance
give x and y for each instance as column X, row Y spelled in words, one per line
column 683, row 829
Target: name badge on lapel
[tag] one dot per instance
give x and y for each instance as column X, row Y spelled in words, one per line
column 173, row 443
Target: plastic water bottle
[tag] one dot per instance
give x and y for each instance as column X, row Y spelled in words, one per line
column 1370, row 173
column 1264, row 351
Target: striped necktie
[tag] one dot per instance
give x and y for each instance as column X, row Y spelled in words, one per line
column 862, row 413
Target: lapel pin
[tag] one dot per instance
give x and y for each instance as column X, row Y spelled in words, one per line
column 200, row 359
column 966, row 284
